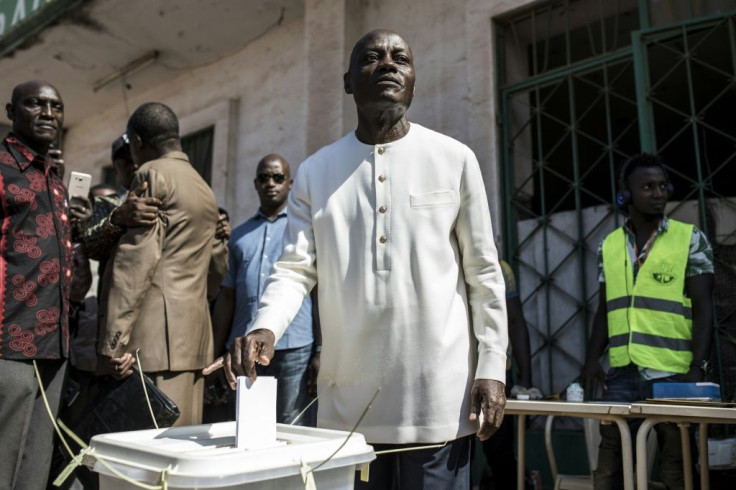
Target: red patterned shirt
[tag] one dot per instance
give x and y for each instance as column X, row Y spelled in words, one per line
column 35, row 256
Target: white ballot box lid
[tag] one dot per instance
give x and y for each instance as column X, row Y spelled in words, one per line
column 205, row 456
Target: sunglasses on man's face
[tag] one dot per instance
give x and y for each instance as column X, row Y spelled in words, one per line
column 277, row 178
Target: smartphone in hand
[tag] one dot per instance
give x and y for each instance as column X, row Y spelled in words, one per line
column 79, row 184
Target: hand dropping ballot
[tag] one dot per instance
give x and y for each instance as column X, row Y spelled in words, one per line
column 255, row 422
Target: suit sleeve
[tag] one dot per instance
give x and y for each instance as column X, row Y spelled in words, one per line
column 218, row 268
column 133, row 265
column 483, row 275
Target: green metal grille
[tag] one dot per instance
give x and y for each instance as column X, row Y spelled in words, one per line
column 584, row 85
column 690, row 101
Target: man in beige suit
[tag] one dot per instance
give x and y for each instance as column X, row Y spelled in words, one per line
column 154, row 295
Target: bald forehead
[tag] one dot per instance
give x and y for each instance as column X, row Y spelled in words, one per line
column 273, row 159
column 33, row 88
column 379, row 35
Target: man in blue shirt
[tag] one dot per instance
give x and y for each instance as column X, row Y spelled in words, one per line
column 254, row 247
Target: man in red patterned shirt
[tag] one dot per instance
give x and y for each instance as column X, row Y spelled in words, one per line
column 35, row 276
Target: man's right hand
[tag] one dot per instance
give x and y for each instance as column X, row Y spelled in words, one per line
column 592, row 375
column 256, row 347
column 80, row 212
column 117, row 367
column 136, row 210
column 487, row 401
column 222, row 229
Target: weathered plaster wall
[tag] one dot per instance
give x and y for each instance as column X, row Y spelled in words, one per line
column 283, row 92
column 257, row 95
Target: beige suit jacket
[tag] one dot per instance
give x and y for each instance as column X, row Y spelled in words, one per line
column 154, row 295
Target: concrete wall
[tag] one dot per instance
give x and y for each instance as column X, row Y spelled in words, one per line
column 255, row 99
column 283, row 92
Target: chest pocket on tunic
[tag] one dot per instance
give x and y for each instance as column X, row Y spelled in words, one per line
column 433, row 199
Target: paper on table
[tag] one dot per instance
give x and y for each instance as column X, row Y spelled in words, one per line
column 255, row 422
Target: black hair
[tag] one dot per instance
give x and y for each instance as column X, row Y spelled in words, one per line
column 155, row 123
column 121, row 147
column 641, row 160
column 17, row 93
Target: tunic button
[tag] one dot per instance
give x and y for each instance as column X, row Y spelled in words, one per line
column 381, row 150
column 382, row 209
column 383, row 239
column 381, row 178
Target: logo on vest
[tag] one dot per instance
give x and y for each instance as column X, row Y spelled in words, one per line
column 663, row 274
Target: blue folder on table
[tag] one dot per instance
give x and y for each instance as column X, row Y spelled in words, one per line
column 687, row 391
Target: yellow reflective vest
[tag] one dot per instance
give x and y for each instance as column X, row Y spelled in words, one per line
column 650, row 320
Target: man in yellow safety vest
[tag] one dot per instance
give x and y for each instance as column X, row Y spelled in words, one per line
column 654, row 313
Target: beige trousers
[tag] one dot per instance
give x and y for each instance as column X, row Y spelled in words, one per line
column 186, row 389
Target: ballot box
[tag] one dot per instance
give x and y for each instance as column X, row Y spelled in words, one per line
column 206, row 457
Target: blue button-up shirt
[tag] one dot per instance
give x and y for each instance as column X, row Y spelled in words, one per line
column 254, row 247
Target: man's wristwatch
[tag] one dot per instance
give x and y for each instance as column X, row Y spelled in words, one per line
column 703, row 365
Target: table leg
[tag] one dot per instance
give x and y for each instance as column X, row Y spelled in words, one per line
column 687, row 458
column 641, row 452
column 521, row 453
column 626, row 453
column 704, row 464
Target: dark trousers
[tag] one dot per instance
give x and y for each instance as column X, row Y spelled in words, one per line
column 445, row 468
column 625, row 384
column 26, row 432
column 500, row 455
column 290, row 367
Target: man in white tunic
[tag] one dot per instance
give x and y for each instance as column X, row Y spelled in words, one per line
column 392, row 223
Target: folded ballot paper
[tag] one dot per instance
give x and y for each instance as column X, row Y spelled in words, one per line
column 255, row 422
column 687, row 391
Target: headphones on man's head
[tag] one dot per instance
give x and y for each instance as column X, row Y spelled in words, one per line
column 623, row 196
